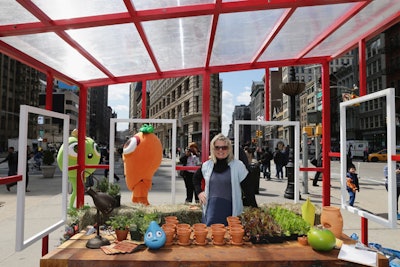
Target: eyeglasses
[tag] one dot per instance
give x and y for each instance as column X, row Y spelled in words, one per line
column 221, row 147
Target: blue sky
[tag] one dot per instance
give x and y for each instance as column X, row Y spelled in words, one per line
column 236, row 91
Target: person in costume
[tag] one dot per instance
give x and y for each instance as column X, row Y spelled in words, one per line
column 92, row 157
column 142, row 155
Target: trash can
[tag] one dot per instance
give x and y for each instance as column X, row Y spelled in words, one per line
column 255, row 176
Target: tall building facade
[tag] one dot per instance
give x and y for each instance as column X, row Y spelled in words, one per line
column 181, row 99
column 19, row 85
column 99, row 114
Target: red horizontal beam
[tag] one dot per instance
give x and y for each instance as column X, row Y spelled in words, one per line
column 10, row 179
column 312, row 169
column 186, row 168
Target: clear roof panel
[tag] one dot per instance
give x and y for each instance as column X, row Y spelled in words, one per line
column 154, row 4
column 369, row 18
column 117, row 47
column 305, row 26
column 12, row 13
column 62, row 9
column 54, row 52
column 99, row 41
column 179, row 43
column 240, row 35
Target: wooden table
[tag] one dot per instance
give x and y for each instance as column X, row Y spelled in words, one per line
column 74, row 253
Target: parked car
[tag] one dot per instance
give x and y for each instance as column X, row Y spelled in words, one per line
column 380, row 155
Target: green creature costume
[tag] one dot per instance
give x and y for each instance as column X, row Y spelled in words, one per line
column 92, row 156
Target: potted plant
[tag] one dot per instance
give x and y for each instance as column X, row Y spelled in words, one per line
column 48, row 167
column 139, row 223
column 114, row 191
column 120, row 224
column 103, row 185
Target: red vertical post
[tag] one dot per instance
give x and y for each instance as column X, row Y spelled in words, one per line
column 205, row 139
column 364, row 231
column 144, row 99
column 362, row 67
column 83, row 93
column 363, row 91
column 49, row 91
column 267, row 97
column 45, row 245
column 326, row 135
column 48, row 106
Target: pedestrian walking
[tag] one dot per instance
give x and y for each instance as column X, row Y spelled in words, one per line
column 12, row 159
column 190, row 158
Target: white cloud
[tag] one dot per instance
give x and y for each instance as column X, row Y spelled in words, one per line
column 244, row 97
column 227, row 109
column 118, row 100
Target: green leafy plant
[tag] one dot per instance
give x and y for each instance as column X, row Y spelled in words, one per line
column 103, row 185
column 290, row 222
column 257, row 222
column 114, row 190
column 48, row 157
column 119, row 222
column 140, row 220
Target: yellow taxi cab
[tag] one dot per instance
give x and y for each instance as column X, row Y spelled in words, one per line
column 380, row 155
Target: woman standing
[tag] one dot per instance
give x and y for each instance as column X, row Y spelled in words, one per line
column 222, row 193
column 190, row 158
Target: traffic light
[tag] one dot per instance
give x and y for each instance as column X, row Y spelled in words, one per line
column 308, row 130
column 318, row 130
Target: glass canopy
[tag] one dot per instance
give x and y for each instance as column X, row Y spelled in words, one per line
column 99, row 42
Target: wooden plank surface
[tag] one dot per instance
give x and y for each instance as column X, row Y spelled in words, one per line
column 74, row 253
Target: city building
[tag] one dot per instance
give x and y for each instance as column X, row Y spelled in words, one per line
column 180, row 98
column 19, row 86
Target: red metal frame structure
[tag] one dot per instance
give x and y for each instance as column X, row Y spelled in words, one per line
column 92, row 43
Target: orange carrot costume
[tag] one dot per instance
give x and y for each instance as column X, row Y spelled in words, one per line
column 142, row 155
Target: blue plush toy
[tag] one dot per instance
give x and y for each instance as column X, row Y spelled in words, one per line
column 155, row 236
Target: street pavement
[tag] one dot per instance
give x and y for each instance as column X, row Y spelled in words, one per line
column 43, row 204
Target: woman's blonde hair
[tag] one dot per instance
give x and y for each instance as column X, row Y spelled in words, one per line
column 221, row 137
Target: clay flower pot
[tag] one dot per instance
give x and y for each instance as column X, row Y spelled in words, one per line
column 184, row 236
column 199, row 226
column 217, row 225
column 331, row 219
column 200, row 236
column 182, row 226
column 169, row 225
column 121, row 234
column 233, row 220
column 237, row 236
column 170, row 235
column 303, row 240
column 218, row 235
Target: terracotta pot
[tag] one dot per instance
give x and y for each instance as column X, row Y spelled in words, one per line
column 237, row 236
column 217, row 225
column 184, row 236
column 169, row 225
column 233, row 220
column 170, row 235
column 218, row 236
column 199, row 226
column 235, row 227
column 200, row 236
column 121, row 234
column 331, row 218
column 303, row 240
column 182, row 225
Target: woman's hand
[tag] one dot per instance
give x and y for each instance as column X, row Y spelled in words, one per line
column 202, row 197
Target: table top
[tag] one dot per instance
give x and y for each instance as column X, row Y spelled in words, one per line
column 74, row 253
